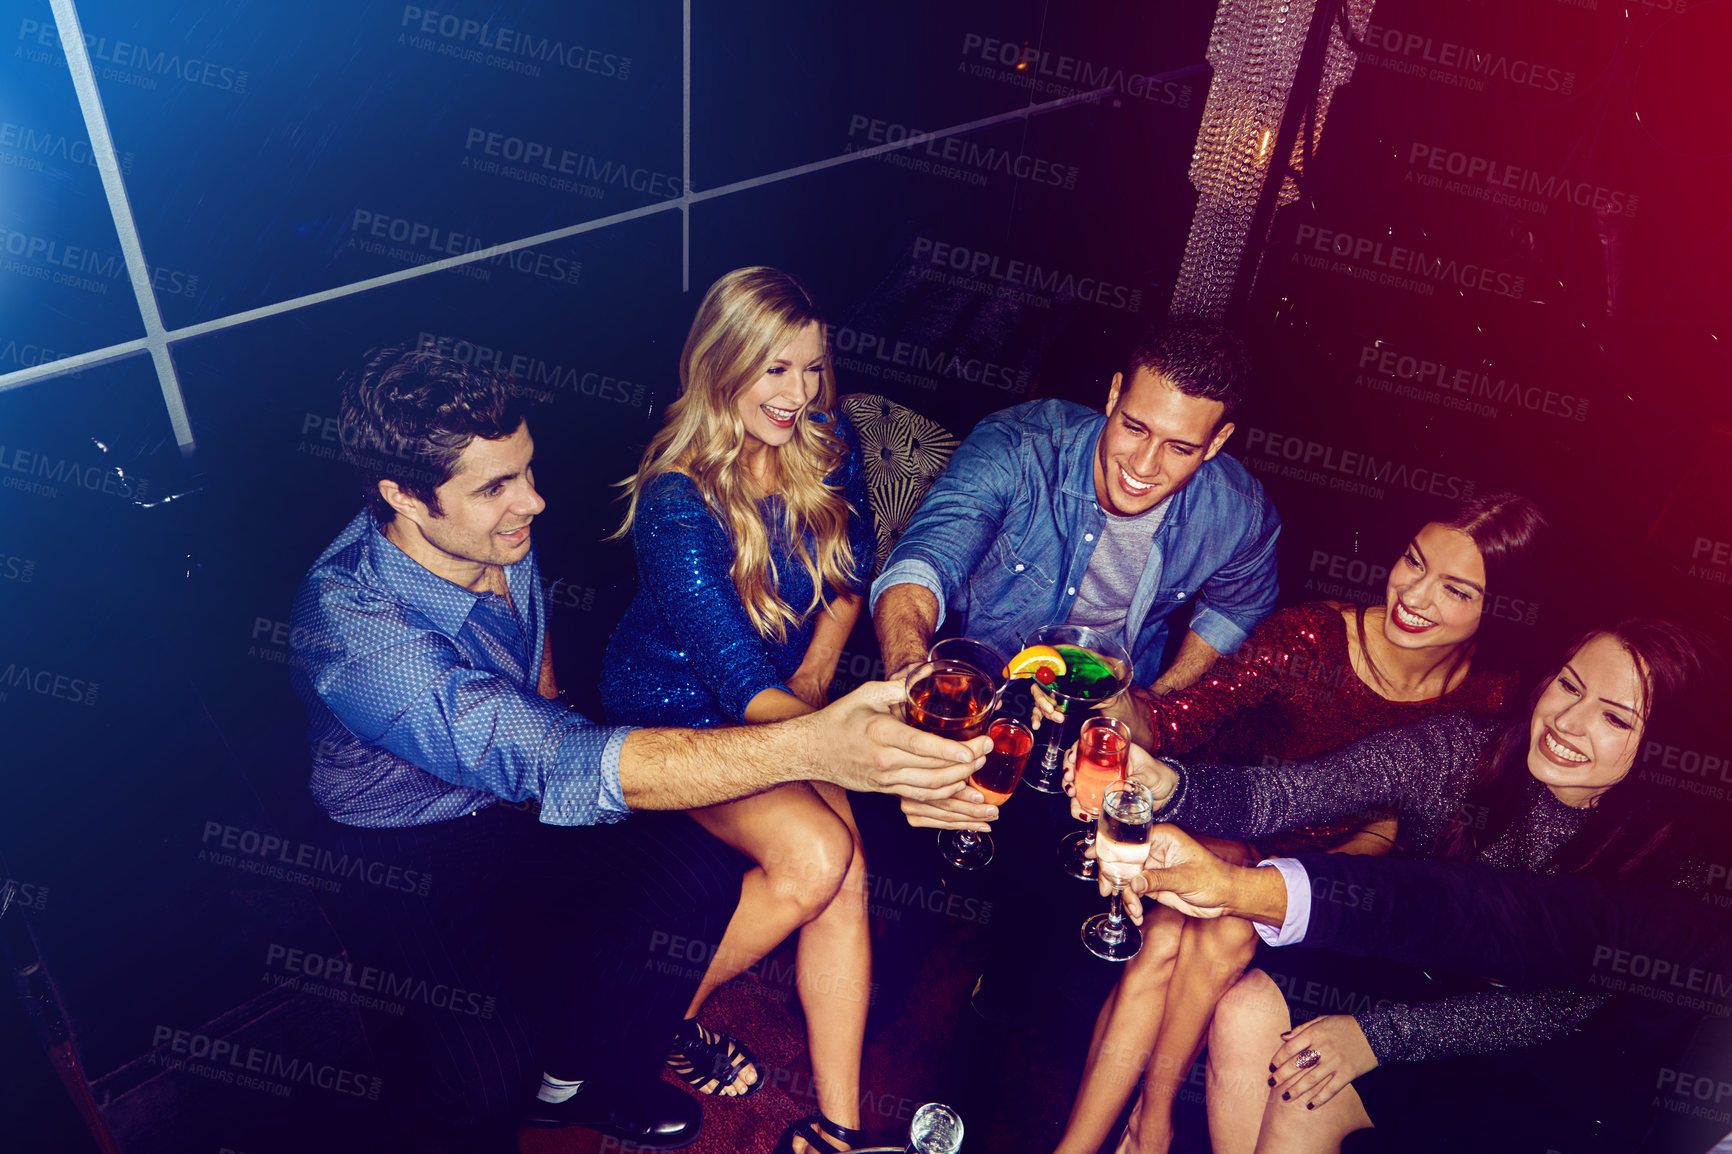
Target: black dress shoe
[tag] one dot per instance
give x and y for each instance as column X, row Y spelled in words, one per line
column 654, row 1116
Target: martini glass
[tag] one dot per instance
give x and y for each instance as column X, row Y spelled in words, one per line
column 1097, row 669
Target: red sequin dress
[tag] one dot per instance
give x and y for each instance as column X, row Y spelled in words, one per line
column 1290, row 694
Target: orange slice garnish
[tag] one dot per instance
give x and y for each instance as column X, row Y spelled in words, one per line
column 1041, row 662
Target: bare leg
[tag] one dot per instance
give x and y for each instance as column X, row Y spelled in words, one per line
column 834, row 975
column 1249, row 1022
column 1212, row 955
column 1245, row 1117
column 804, row 852
column 1124, row 1033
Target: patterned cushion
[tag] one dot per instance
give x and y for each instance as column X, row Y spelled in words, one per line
column 904, row 454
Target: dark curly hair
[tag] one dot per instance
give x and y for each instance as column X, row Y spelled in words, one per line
column 1201, row 358
column 407, row 415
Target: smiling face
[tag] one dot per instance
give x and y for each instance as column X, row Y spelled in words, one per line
column 773, row 404
column 1587, row 726
column 1155, row 440
column 1436, row 591
column 487, row 507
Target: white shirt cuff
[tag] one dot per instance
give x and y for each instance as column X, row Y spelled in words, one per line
column 1298, row 919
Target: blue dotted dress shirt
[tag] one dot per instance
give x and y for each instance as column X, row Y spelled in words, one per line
column 421, row 695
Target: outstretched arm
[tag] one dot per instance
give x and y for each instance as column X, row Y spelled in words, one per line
column 857, row 743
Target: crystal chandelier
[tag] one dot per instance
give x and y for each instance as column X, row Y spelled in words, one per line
column 1255, row 50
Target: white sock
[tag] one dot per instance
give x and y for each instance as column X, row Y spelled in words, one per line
column 557, row 1089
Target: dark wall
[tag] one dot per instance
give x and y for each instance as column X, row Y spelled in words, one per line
column 1503, row 271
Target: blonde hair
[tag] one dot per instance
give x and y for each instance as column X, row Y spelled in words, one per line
column 746, row 318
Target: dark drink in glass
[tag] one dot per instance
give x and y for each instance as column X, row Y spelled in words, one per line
column 952, row 700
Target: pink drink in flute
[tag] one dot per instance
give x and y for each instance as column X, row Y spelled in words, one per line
column 1100, row 761
column 1102, row 753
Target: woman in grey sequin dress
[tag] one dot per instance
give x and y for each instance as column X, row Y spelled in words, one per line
column 1550, row 793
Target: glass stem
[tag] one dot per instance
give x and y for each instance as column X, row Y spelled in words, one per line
column 1113, row 932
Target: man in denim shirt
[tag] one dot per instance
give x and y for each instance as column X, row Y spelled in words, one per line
column 1052, row 513
column 422, row 658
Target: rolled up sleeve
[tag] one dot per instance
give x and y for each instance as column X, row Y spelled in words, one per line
column 960, row 518
column 1241, row 593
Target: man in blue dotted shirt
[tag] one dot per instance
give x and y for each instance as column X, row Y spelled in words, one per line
column 439, row 746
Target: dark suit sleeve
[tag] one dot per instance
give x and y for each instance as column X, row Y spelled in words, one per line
column 1524, row 930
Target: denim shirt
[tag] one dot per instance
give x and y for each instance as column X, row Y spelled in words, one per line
column 1007, row 531
column 421, row 695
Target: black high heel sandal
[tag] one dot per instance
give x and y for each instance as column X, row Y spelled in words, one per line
column 700, row 1056
column 815, row 1130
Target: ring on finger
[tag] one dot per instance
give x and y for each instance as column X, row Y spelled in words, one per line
column 1307, row 1058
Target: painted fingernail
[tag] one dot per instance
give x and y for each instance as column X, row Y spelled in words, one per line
column 1271, row 1067
column 1271, row 1081
column 1311, row 1105
column 1286, row 1097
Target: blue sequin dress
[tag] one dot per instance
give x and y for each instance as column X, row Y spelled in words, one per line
column 686, row 654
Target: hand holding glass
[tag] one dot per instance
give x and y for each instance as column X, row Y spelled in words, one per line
column 1011, row 741
column 1126, row 816
column 1102, row 754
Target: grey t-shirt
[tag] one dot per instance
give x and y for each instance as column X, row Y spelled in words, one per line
column 1103, row 599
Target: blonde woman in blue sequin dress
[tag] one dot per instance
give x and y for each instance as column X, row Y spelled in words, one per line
column 747, row 514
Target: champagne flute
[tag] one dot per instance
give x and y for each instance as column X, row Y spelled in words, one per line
column 1011, row 741
column 1127, row 814
column 1103, row 751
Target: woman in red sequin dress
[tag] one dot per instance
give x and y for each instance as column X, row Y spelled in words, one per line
column 1308, row 680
